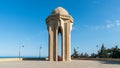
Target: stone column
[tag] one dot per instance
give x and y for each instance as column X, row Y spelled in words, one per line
column 50, row 44
column 68, row 43
column 63, row 46
column 55, row 45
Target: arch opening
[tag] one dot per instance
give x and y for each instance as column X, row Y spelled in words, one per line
column 59, row 44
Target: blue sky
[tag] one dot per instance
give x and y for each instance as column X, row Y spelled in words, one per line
column 23, row 21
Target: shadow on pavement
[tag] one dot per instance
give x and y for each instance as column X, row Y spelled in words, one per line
column 36, row 59
column 110, row 62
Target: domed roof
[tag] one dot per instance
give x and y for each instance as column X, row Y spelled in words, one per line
column 60, row 10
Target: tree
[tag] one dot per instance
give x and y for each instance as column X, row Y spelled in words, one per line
column 93, row 55
column 86, row 55
column 75, row 54
column 81, row 55
column 102, row 53
column 115, row 52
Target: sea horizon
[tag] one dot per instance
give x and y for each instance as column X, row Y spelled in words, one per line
column 22, row 57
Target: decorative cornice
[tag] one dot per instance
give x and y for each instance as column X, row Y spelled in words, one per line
column 59, row 16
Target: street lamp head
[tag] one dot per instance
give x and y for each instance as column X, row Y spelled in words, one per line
column 22, row 45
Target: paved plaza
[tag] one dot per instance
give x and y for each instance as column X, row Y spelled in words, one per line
column 67, row 64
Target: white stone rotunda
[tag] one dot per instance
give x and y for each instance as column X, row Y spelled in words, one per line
column 59, row 22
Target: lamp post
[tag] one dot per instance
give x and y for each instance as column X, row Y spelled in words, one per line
column 97, row 47
column 20, row 46
column 78, row 50
column 97, row 56
column 40, row 51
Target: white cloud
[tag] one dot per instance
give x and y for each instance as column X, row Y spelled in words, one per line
column 112, row 24
column 76, row 28
column 109, row 24
column 96, row 1
column 118, row 22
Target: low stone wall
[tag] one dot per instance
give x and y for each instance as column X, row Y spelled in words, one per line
column 10, row 59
